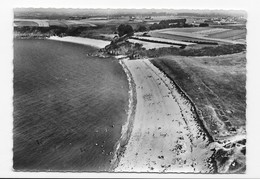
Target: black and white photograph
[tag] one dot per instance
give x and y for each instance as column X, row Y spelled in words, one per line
column 129, row 90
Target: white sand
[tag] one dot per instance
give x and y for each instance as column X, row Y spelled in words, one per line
column 165, row 136
column 80, row 40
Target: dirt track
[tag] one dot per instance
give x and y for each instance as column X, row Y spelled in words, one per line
column 165, row 135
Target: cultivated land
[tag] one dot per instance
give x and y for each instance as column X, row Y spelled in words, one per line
column 175, row 35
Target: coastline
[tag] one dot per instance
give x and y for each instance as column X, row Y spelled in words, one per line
column 80, row 40
column 126, row 132
column 141, row 137
column 82, row 116
column 126, row 129
column 120, row 146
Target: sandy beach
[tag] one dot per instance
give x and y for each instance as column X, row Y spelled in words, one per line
column 84, row 41
column 165, row 135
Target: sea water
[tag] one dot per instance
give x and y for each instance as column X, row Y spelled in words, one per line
column 69, row 107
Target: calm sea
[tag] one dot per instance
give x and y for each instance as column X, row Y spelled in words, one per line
column 68, row 107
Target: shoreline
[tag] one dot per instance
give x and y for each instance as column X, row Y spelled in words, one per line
column 126, row 128
column 80, row 40
column 120, row 146
column 123, row 162
column 123, row 142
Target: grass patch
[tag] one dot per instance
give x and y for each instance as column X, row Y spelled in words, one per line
column 216, row 85
column 205, row 51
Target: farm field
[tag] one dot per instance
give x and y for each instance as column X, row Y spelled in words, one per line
column 187, row 29
column 64, row 22
column 26, row 23
column 178, row 37
column 156, row 39
column 39, row 22
column 47, row 23
column 58, row 23
column 197, row 34
column 150, row 45
column 232, row 34
column 211, row 31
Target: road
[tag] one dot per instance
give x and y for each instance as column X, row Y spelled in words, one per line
column 165, row 135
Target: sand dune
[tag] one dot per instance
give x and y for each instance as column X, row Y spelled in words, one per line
column 165, row 134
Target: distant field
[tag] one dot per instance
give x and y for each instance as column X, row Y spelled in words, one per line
column 176, row 37
column 57, row 23
column 77, row 23
column 157, row 39
column 221, row 33
column 151, row 45
column 40, row 22
column 197, row 30
column 211, row 31
column 194, row 35
column 25, row 23
column 187, row 29
column 216, row 85
column 47, row 23
column 232, row 34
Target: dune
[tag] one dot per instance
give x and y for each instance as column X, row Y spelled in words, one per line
column 165, row 135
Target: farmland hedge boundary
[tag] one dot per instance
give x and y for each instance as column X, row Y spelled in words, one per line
column 156, row 41
column 205, row 51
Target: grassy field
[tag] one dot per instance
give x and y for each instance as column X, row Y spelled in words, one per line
column 188, row 29
column 233, row 34
column 219, row 34
column 58, row 23
column 216, row 85
column 156, row 39
column 178, row 37
column 25, row 23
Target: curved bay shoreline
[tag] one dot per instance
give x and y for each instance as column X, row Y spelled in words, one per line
column 127, row 129
column 183, row 146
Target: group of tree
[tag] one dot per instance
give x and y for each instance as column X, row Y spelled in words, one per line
column 203, row 25
column 170, row 23
column 125, row 29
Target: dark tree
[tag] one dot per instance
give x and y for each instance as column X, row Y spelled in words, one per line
column 125, row 29
column 203, row 25
column 141, row 28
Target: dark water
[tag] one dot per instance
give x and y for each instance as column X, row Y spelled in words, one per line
column 64, row 103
